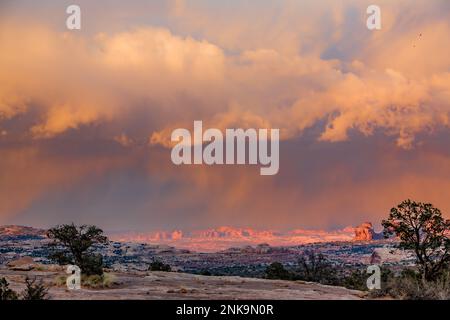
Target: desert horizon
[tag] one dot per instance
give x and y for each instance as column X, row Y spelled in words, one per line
column 223, row 237
column 235, row 256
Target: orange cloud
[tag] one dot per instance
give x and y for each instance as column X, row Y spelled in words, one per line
column 308, row 69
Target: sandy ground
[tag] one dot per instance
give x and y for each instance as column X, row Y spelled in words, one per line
column 173, row 285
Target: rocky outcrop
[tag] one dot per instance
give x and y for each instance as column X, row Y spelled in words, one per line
column 21, row 232
column 365, row 232
column 22, row 264
column 157, row 285
column 392, row 255
column 28, row 264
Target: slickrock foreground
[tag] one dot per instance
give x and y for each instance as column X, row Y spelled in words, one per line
column 173, row 285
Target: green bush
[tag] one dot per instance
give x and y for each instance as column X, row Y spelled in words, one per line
column 34, row 290
column 277, row 271
column 314, row 267
column 106, row 280
column 103, row 281
column 357, row 280
column 205, row 272
column 410, row 285
column 92, row 264
column 157, row 265
column 5, row 292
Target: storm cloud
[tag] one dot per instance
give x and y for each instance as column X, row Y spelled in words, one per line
column 86, row 116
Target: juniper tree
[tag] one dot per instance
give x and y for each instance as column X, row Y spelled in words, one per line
column 422, row 229
column 74, row 245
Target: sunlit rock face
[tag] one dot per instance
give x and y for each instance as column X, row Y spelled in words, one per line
column 365, row 232
column 13, row 231
column 225, row 237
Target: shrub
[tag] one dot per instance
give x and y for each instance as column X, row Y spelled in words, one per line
column 91, row 264
column 409, row 285
column 357, row 280
column 205, row 272
column 105, row 280
column 316, row 268
column 5, row 292
column 34, row 290
column 277, row 271
column 60, row 280
column 157, row 265
column 437, row 290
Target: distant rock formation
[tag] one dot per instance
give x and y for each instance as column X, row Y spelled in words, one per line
column 225, row 232
column 262, row 248
column 13, row 231
column 365, row 232
column 22, row 264
column 224, row 237
column 375, row 258
column 392, row 255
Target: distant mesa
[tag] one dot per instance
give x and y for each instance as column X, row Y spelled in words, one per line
column 13, row 231
column 365, row 232
column 235, row 238
column 262, row 248
column 220, row 238
column 225, row 232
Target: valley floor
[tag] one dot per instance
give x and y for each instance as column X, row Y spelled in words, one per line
column 174, row 285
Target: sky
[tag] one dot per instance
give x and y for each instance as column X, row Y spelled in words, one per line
column 86, row 115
